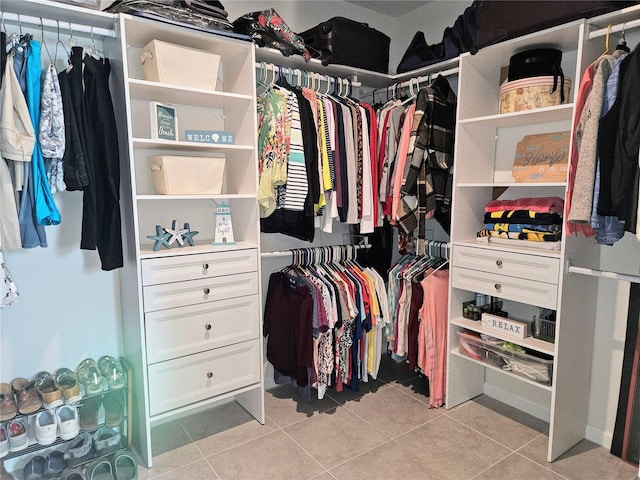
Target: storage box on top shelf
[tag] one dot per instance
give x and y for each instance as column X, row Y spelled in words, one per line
column 176, row 65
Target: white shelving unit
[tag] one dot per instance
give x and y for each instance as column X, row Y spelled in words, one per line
column 192, row 314
column 523, row 277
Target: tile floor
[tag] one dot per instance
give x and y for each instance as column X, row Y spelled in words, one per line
column 385, row 431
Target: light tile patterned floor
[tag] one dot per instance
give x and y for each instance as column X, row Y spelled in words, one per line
column 386, row 431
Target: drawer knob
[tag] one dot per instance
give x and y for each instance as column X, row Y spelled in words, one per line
column 207, row 326
column 499, row 263
column 497, row 286
column 209, row 374
column 205, row 266
column 206, row 291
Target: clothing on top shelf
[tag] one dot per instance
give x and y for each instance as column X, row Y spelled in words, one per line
column 324, row 322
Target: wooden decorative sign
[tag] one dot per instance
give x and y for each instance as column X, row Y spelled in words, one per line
column 504, row 325
column 542, row 158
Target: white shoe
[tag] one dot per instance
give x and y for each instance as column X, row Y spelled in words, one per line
column 67, row 416
column 46, row 427
column 18, row 437
column 4, row 441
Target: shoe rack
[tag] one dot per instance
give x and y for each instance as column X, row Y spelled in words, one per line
column 15, row 461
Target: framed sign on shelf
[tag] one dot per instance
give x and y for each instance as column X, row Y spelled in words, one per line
column 164, row 122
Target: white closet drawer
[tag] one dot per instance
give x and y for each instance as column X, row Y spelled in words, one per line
column 510, row 288
column 177, row 332
column 193, row 267
column 187, row 380
column 533, row 267
column 180, row 294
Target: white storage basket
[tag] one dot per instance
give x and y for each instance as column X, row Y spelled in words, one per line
column 176, row 175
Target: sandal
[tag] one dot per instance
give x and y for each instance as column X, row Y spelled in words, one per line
column 90, row 376
column 26, row 395
column 112, row 370
column 88, row 413
column 113, row 403
column 99, row 470
column 67, row 381
column 8, row 407
column 48, row 390
column 125, row 466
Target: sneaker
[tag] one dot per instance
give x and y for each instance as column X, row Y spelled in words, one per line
column 67, row 382
column 53, row 465
column 112, row 370
column 79, row 450
column 17, row 432
column 33, row 469
column 90, row 376
column 46, row 427
column 4, row 441
column 67, row 417
column 8, row 407
column 49, row 392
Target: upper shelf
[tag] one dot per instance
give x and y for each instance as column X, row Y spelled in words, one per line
column 525, row 117
column 163, row 92
column 366, row 77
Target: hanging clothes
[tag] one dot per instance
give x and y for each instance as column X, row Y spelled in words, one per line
column 52, row 134
column 8, row 291
column 46, row 212
column 32, row 233
column 17, row 140
column 105, row 163
column 324, row 324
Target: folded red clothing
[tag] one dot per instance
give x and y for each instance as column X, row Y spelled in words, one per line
column 539, row 204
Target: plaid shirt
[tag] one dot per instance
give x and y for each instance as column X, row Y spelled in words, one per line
column 426, row 189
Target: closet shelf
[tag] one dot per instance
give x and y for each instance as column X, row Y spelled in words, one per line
column 518, row 249
column 527, row 117
column 222, row 196
column 167, row 93
column 151, row 143
column 510, row 184
column 536, row 344
column 200, row 247
column 457, row 353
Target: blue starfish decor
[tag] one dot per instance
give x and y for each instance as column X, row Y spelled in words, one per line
column 166, row 237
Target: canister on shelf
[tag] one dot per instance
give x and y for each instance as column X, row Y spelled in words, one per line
column 481, row 299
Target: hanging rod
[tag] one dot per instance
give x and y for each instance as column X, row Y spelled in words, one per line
column 297, row 71
column 417, row 81
column 614, row 28
column 286, row 253
column 54, row 24
column 603, row 273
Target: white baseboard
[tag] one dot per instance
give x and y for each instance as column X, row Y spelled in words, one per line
column 595, row 435
column 518, row 402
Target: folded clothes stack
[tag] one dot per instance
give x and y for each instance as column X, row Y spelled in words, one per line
column 524, row 219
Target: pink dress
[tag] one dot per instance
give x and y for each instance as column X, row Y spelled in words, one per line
column 432, row 335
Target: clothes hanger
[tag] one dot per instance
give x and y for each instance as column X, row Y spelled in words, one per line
column 46, row 49
column 623, row 42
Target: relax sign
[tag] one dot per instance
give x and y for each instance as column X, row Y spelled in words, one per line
column 503, row 325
